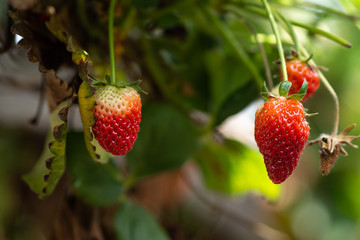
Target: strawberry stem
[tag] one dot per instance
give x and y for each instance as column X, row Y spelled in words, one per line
column 111, row 40
column 331, row 91
column 278, row 40
column 311, row 29
column 336, row 100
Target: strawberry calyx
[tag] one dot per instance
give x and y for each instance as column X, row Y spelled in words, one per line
column 301, row 93
column 284, row 88
column 135, row 85
column 295, row 56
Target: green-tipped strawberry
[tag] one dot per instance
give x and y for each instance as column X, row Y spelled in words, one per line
column 281, row 132
column 117, row 117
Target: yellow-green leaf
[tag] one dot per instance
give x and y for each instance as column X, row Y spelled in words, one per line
column 233, row 168
column 86, row 103
column 47, row 172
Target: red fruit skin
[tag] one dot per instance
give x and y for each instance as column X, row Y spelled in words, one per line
column 298, row 71
column 281, row 132
column 117, row 117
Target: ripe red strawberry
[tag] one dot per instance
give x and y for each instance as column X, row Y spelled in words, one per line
column 117, row 117
column 281, row 132
column 297, row 71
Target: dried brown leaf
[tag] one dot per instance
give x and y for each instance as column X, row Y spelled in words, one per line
column 331, row 146
column 56, row 90
column 43, row 46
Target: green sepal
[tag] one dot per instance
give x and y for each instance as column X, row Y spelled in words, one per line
column 311, row 114
column 107, row 79
column 134, row 85
column 265, row 93
column 94, row 81
column 309, row 58
column 301, row 93
column 284, row 88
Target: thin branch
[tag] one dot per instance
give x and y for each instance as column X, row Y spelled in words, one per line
column 263, row 55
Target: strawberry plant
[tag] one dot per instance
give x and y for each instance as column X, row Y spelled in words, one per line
column 139, row 96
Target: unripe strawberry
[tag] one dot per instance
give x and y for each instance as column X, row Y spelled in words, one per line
column 299, row 71
column 117, row 117
column 281, row 132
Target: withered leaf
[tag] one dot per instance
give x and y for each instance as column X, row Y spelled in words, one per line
column 47, row 172
column 331, row 146
column 56, row 90
column 43, row 46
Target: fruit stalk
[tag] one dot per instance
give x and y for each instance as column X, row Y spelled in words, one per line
column 111, row 40
column 332, row 93
column 277, row 37
column 336, row 100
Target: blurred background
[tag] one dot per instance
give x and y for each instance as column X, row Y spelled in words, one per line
column 195, row 66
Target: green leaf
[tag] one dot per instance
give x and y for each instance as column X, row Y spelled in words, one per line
column 225, row 76
column 166, row 140
column 237, row 101
column 132, row 222
column 235, row 169
column 284, row 88
column 94, row 183
column 301, row 93
column 86, row 103
column 167, row 20
column 231, row 87
column 45, row 175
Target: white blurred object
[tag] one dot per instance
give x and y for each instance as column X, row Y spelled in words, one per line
column 241, row 125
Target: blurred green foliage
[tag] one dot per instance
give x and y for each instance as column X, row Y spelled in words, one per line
column 200, row 62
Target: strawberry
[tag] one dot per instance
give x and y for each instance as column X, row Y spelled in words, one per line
column 281, row 132
column 117, row 117
column 297, row 71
